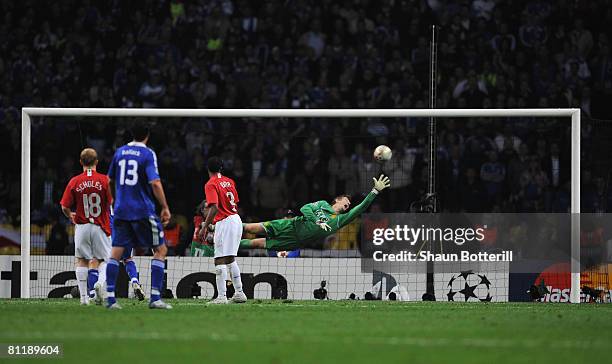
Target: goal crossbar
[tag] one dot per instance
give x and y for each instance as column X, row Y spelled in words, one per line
column 26, row 130
column 298, row 113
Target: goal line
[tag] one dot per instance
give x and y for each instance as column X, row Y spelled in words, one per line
column 28, row 112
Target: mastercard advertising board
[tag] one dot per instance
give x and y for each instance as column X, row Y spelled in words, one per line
column 557, row 279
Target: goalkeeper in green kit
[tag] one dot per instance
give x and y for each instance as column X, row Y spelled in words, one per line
column 320, row 219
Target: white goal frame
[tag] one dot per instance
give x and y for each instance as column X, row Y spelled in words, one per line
column 26, row 130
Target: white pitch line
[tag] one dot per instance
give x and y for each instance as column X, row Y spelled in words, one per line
column 320, row 339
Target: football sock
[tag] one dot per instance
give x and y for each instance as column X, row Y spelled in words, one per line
column 81, row 276
column 221, row 277
column 92, row 278
column 130, row 268
column 102, row 272
column 157, row 277
column 112, row 270
column 234, row 272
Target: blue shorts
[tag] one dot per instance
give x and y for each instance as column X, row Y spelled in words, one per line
column 146, row 233
column 127, row 253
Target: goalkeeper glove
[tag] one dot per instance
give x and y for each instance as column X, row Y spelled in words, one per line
column 381, row 183
column 324, row 226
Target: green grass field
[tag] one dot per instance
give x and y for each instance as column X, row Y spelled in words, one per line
column 312, row 332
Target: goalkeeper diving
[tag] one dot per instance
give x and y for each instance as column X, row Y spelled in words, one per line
column 320, row 219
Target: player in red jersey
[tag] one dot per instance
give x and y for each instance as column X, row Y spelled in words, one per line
column 222, row 199
column 88, row 194
column 201, row 247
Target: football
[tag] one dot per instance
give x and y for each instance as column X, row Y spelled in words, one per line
column 382, row 153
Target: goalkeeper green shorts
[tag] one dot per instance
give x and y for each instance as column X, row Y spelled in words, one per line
column 202, row 250
column 280, row 235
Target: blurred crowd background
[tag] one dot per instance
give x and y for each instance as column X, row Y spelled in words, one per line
column 313, row 54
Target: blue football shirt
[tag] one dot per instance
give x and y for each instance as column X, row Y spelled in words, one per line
column 133, row 168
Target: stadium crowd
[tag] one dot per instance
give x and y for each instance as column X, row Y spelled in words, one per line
column 314, row 54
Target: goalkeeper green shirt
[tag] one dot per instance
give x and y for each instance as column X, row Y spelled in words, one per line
column 306, row 227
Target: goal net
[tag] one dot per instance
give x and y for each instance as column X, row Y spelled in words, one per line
column 489, row 165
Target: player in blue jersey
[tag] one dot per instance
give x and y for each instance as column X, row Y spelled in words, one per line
column 135, row 224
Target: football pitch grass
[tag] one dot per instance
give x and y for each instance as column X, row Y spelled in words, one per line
column 265, row 331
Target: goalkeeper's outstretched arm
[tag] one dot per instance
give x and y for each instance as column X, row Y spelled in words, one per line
column 379, row 184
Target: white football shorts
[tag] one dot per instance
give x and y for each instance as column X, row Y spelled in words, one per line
column 90, row 241
column 227, row 236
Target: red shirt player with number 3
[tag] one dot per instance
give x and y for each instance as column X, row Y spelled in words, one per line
column 222, row 199
column 89, row 195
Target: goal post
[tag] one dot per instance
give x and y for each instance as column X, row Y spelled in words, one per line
column 28, row 112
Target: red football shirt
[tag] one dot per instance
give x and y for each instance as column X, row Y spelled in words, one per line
column 221, row 191
column 89, row 195
column 197, row 222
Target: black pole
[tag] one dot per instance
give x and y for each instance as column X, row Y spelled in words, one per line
column 430, row 198
column 431, row 165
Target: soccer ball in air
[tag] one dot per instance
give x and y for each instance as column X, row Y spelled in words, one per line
column 382, row 153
